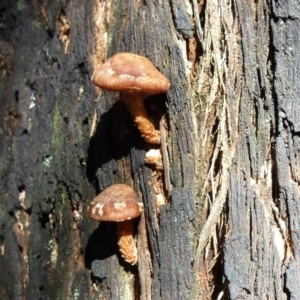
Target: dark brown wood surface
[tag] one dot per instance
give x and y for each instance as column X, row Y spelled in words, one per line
column 229, row 227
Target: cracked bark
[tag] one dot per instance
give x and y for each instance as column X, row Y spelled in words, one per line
column 230, row 145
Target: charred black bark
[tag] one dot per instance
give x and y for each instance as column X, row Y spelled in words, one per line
column 50, row 169
column 221, row 218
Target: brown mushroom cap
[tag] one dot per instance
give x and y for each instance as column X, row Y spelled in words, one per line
column 130, row 72
column 117, row 203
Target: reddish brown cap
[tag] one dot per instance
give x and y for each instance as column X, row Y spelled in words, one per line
column 117, row 203
column 130, row 72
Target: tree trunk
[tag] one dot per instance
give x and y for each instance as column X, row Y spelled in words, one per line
column 221, row 220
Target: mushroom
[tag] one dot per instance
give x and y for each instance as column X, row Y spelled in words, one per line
column 119, row 203
column 136, row 78
column 154, row 158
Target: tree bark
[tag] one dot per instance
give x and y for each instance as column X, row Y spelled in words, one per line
column 221, row 220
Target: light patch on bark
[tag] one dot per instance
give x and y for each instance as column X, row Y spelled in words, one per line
column 188, row 7
column 284, row 235
column 101, row 22
column 94, row 124
column 2, row 250
column 77, row 213
column 279, row 243
column 64, row 31
column 160, row 200
column 21, row 228
column 22, row 196
column 183, row 48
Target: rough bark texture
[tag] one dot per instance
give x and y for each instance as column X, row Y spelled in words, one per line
column 46, row 102
column 229, row 227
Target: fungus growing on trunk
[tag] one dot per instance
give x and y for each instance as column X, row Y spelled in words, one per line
column 154, row 158
column 119, row 203
column 136, row 78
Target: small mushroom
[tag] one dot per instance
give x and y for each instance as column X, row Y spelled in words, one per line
column 119, row 203
column 154, row 158
column 136, row 78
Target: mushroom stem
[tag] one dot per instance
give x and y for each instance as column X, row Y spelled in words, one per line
column 126, row 242
column 135, row 104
